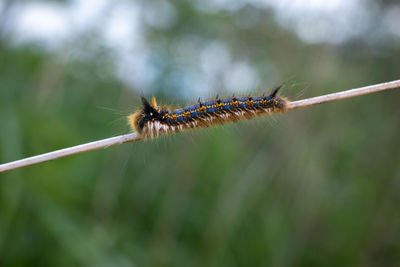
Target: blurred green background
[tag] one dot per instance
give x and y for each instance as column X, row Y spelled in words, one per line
column 315, row 187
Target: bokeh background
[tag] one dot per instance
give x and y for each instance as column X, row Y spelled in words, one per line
column 315, row 187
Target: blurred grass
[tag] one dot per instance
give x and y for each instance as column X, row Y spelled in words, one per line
column 315, row 187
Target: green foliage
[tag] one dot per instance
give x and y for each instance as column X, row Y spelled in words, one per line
column 316, row 187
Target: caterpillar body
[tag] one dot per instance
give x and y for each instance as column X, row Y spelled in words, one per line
column 153, row 120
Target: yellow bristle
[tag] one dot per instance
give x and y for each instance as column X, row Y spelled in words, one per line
column 154, row 102
column 132, row 121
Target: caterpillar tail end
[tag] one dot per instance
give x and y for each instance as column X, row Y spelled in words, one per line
column 284, row 105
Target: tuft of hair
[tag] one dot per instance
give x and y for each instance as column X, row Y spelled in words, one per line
column 275, row 91
column 132, row 121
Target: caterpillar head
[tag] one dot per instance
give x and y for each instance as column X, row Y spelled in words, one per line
column 147, row 113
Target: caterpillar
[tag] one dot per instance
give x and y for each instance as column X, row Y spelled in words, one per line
column 153, row 120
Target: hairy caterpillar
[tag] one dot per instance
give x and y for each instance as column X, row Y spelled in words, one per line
column 153, row 120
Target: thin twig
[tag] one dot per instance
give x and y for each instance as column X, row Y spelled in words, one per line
column 136, row 137
column 117, row 140
column 344, row 94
